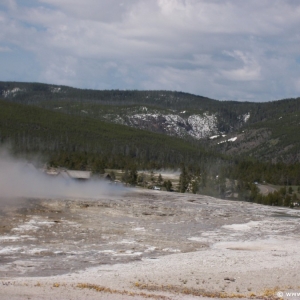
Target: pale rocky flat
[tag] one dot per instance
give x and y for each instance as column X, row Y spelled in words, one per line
column 147, row 244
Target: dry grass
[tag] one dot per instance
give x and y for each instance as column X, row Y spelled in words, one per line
column 268, row 294
column 103, row 289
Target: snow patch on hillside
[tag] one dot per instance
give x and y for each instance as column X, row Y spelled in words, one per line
column 232, row 139
column 213, row 137
column 245, row 117
column 55, row 89
column 202, row 126
column 229, row 140
column 13, row 92
column 197, row 126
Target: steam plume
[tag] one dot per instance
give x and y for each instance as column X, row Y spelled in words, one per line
column 20, row 179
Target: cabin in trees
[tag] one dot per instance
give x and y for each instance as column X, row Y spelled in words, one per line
column 76, row 174
column 79, row 175
column 70, row 174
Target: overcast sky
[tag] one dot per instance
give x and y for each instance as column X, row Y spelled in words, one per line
column 223, row 49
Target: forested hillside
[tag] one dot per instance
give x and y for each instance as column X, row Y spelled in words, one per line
column 272, row 140
column 118, row 106
column 265, row 131
column 57, row 135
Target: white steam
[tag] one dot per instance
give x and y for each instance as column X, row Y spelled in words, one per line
column 20, row 179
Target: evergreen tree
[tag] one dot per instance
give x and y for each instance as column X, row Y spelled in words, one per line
column 152, row 176
column 98, row 167
column 168, row 185
column 160, row 179
column 183, row 180
column 287, row 200
column 141, row 179
column 133, row 175
column 294, row 198
column 254, row 193
column 195, row 186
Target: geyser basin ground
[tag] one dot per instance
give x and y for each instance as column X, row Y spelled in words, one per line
column 177, row 246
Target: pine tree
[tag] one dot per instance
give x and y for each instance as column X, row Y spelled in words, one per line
column 160, row 179
column 195, row 186
column 133, row 175
column 152, row 176
column 168, row 185
column 183, row 180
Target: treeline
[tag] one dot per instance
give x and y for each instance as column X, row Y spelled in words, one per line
column 285, row 196
column 238, row 180
column 257, row 171
column 31, row 93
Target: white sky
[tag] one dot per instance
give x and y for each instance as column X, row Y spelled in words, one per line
column 224, row 49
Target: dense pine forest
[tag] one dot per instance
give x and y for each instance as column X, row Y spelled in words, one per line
column 71, row 141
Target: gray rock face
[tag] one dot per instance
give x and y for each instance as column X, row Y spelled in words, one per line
column 197, row 126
